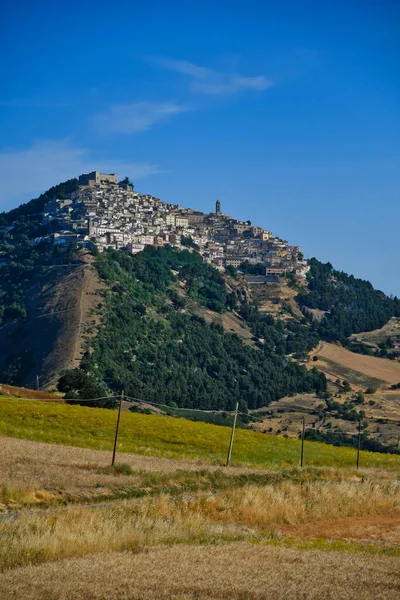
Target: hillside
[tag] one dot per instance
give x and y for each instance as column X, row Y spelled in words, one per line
column 348, row 305
column 166, row 325
column 157, row 349
column 58, row 301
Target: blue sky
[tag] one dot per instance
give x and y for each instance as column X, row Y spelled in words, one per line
column 288, row 112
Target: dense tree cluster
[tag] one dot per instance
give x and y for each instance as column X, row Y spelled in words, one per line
column 352, row 305
column 155, row 352
column 250, row 269
column 281, row 337
column 76, row 384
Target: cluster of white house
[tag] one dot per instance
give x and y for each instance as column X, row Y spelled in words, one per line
column 111, row 214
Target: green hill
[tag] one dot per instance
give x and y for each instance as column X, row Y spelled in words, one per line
column 163, row 325
column 153, row 345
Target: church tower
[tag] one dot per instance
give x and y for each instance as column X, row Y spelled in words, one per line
column 217, row 208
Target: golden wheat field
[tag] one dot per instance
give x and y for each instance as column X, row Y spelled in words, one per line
column 74, row 528
column 169, row 521
column 241, row 570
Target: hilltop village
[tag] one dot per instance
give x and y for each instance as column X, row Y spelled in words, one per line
column 108, row 213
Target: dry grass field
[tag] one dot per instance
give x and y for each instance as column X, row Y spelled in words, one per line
column 170, row 522
column 242, row 571
column 358, row 369
column 74, row 528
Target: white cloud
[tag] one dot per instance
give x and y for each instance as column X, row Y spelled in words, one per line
column 138, row 116
column 24, row 174
column 208, row 81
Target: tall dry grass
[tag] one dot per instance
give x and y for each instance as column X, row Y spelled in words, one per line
column 191, row 518
column 290, row 503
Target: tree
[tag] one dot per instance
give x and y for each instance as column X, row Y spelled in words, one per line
column 126, row 181
column 230, row 270
column 76, row 384
column 346, row 386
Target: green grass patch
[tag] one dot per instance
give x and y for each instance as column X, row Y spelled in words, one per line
column 155, row 435
column 270, row 538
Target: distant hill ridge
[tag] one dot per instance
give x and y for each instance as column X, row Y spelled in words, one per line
column 147, row 331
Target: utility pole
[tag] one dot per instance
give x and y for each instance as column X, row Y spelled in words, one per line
column 37, row 382
column 303, row 431
column 228, row 459
column 359, row 444
column 116, row 430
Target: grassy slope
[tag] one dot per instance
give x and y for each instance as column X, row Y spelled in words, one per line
column 165, row 436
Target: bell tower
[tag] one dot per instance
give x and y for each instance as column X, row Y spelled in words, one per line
column 217, row 208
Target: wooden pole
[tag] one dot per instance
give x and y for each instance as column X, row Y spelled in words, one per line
column 303, row 431
column 228, row 459
column 116, row 430
column 359, row 444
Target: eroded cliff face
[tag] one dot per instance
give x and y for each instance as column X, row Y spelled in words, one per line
column 59, row 305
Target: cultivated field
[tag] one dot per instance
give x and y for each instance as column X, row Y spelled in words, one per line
column 168, row 437
column 242, row 571
column 72, row 527
column 358, row 369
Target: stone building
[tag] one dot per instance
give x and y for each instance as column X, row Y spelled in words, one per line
column 96, row 178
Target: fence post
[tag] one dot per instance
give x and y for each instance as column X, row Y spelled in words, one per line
column 116, row 429
column 303, row 431
column 359, row 444
column 228, row 459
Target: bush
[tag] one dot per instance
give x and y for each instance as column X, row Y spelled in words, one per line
column 370, row 390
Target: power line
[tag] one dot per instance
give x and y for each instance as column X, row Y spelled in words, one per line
column 209, row 412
